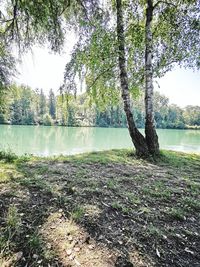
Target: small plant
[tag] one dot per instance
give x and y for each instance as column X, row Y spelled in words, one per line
column 10, row 230
column 119, row 206
column 177, row 214
column 157, row 191
column 78, row 213
column 193, row 186
column 13, row 219
column 42, row 170
column 133, row 198
column 126, row 209
column 37, row 183
column 191, row 203
column 111, row 184
column 35, row 242
column 145, row 210
column 154, row 231
column 7, row 155
column 116, row 205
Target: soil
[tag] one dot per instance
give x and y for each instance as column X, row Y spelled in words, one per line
column 106, row 209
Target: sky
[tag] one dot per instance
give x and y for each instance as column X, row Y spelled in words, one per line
column 41, row 69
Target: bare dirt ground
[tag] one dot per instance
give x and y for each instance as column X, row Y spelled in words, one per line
column 106, row 209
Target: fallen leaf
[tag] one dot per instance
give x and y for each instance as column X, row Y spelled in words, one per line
column 157, row 253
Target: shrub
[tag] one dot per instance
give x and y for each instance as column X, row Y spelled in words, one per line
column 47, row 120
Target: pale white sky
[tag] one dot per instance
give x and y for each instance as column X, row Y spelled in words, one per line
column 181, row 86
column 41, row 69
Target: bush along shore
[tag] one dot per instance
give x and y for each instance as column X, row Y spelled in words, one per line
column 100, row 209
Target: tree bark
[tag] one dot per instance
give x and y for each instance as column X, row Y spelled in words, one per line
column 150, row 131
column 136, row 137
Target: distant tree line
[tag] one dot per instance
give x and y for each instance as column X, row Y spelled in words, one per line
column 25, row 106
column 120, row 46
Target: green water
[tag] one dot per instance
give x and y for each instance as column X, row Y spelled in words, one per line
column 46, row 141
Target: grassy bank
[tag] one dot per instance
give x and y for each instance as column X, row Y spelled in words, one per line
column 100, row 209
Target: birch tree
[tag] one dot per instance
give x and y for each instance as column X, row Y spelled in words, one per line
column 137, row 138
column 154, row 37
column 150, row 132
column 123, row 46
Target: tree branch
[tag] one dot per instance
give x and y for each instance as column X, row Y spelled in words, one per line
column 99, row 75
column 163, row 2
column 86, row 14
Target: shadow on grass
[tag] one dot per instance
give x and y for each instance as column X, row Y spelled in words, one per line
column 100, row 209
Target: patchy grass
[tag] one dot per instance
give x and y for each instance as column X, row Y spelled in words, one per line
column 191, row 203
column 78, row 213
column 177, row 214
column 7, row 156
column 100, row 209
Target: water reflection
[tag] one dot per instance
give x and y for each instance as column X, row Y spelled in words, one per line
column 44, row 141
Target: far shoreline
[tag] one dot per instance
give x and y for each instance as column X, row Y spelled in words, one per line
column 95, row 126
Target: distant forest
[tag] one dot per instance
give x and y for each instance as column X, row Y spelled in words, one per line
column 25, row 106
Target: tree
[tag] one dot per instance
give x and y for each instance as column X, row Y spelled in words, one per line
column 161, row 103
column 95, row 56
column 42, row 104
column 52, row 104
column 175, row 26
column 47, row 120
column 137, row 138
column 147, row 49
column 22, row 105
column 175, row 117
column 27, row 22
column 150, row 132
column 191, row 115
column 7, row 71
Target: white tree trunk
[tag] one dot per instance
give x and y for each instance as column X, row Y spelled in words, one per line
column 150, row 131
column 137, row 138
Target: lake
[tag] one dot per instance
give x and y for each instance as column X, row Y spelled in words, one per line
column 55, row 140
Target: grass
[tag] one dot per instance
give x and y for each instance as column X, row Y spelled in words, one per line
column 11, row 230
column 34, row 242
column 191, row 203
column 78, row 213
column 177, row 214
column 132, row 198
column 158, row 191
column 7, row 156
column 109, row 200
column 111, row 184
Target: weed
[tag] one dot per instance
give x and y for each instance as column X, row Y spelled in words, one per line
column 157, row 191
column 78, row 213
column 119, row 206
column 176, row 214
column 111, row 184
column 42, row 170
column 7, row 156
column 155, row 231
column 10, row 230
column 34, row 242
column 35, row 182
column 132, row 198
column 144, row 210
column 116, row 205
column 191, row 203
column 13, row 219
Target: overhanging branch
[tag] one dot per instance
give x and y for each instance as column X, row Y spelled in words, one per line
column 163, row 2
